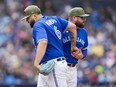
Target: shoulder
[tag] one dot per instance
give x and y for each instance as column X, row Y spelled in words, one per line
column 38, row 24
column 49, row 17
column 83, row 30
column 37, row 27
column 56, row 17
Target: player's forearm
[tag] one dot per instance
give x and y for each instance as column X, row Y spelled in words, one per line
column 41, row 48
column 73, row 34
column 73, row 38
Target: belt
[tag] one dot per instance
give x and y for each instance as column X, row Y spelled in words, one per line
column 71, row 64
column 57, row 59
column 60, row 59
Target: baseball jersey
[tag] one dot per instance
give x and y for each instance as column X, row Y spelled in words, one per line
column 50, row 28
column 81, row 43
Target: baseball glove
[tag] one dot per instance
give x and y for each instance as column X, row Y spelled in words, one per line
column 46, row 68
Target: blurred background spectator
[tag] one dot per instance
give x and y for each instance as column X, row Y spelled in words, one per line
column 17, row 50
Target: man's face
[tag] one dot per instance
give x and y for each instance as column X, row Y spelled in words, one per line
column 80, row 22
column 31, row 20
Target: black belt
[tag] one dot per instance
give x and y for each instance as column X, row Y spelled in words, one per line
column 71, row 64
column 60, row 59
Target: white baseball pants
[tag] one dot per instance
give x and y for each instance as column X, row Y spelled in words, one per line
column 57, row 78
column 72, row 76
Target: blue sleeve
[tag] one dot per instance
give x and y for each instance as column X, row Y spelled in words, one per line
column 85, row 50
column 64, row 23
column 39, row 33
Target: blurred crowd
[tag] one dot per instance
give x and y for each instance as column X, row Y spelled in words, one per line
column 17, row 50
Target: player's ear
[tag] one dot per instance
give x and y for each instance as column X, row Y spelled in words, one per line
column 35, row 16
column 74, row 18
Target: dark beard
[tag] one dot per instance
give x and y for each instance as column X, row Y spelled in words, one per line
column 32, row 23
column 79, row 25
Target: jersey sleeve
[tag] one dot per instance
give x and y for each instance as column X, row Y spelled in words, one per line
column 64, row 23
column 85, row 49
column 39, row 33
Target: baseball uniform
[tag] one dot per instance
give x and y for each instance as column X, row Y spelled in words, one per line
column 50, row 28
column 81, row 43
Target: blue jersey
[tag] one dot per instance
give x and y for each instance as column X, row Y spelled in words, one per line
column 50, row 28
column 81, row 43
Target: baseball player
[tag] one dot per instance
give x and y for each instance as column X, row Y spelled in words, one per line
column 76, row 16
column 47, row 36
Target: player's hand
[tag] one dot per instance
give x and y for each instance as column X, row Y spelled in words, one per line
column 78, row 55
column 37, row 67
column 73, row 50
